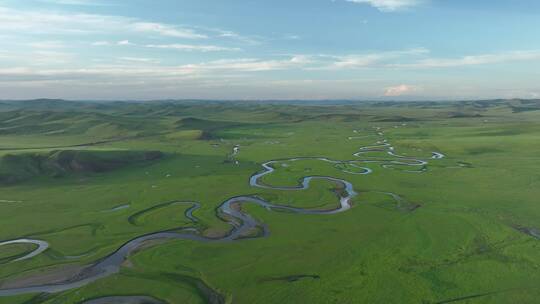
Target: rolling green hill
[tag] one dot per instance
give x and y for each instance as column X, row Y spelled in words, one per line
column 446, row 209
column 20, row 167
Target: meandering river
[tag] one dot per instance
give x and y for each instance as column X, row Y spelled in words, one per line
column 243, row 225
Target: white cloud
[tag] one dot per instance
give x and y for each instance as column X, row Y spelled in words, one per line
column 472, row 60
column 91, row 74
column 101, row 43
column 389, row 5
column 416, row 58
column 47, row 45
column 124, row 42
column 139, row 59
column 40, row 57
column 16, row 21
column 400, row 90
column 47, row 22
column 302, row 59
column 114, row 72
column 233, row 79
column 235, row 36
column 166, row 30
column 45, row 66
column 190, row 47
column 375, row 59
column 247, row 65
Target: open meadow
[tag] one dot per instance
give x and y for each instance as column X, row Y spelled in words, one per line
column 253, row 202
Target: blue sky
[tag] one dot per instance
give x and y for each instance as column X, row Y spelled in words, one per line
column 262, row 49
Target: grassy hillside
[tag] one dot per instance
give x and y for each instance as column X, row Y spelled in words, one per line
column 20, row 167
column 461, row 229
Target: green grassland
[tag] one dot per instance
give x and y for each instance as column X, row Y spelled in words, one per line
column 88, row 177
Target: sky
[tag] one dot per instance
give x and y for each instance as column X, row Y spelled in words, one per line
column 269, row 49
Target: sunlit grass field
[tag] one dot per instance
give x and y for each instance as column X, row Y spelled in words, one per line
column 468, row 238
